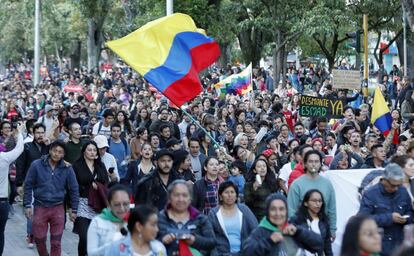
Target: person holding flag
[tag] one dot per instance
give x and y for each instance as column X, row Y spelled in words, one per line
column 382, row 119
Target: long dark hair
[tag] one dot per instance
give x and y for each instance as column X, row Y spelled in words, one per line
column 179, row 158
column 127, row 124
column 188, row 132
column 303, row 215
column 350, row 244
column 99, row 167
column 270, row 179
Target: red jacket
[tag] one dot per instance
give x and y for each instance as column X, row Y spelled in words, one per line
column 296, row 173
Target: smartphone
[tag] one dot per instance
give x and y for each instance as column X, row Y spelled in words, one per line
column 406, row 216
column 182, row 236
column 258, row 179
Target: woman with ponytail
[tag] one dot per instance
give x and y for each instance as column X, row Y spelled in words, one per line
column 143, row 229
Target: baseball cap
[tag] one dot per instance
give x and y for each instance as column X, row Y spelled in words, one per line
column 74, row 104
column 163, row 152
column 101, row 141
column 171, row 142
column 48, row 108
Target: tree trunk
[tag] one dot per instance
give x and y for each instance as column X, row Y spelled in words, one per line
column 277, row 59
column 410, row 54
column 75, row 56
column 95, row 40
column 284, row 64
column 130, row 13
column 331, row 62
column 225, row 55
column 250, row 49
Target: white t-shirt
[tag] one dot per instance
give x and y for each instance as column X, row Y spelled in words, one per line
column 48, row 123
column 285, row 172
column 109, row 161
column 314, row 226
column 105, row 130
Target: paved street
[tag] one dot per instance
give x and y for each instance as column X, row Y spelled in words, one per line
column 15, row 243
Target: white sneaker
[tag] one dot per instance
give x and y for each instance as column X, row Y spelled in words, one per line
column 29, row 240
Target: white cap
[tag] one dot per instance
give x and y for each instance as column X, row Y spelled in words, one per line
column 101, row 141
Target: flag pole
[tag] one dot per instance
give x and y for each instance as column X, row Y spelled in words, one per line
column 216, row 144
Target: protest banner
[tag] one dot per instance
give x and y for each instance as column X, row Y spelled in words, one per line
column 346, row 79
column 73, row 88
column 318, row 106
column 346, row 184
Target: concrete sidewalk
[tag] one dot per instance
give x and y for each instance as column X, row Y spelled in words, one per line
column 15, row 237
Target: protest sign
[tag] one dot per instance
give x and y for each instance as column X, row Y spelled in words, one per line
column 317, row 106
column 346, row 79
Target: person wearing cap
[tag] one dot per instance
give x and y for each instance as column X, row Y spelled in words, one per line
column 389, row 203
column 152, row 189
column 103, row 127
column 73, row 115
column 107, row 159
column 48, row 120
column 173, row 144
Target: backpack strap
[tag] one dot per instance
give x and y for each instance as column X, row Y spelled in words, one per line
column 100, row 126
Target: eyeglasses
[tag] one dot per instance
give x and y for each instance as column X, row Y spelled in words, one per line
column 223, row 125
column 372, row 233
column 119, row 205
column 394, row 186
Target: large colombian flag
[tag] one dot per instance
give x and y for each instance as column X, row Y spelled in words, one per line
column 169, row 53
column 381, row 116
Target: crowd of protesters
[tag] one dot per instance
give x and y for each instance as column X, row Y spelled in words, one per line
column 245, row 180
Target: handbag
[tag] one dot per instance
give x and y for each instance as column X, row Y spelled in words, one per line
column 97, row 197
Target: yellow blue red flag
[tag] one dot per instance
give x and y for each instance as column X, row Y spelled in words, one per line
column 381, row 115
column 169, row 53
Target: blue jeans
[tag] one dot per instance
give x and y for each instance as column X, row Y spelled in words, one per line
column 4, row 214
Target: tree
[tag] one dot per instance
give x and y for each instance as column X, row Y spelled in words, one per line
column 280, row 17
column 95, row 11
column 383, row 16
column 327, row 22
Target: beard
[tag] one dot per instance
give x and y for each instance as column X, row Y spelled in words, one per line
column 164, row 171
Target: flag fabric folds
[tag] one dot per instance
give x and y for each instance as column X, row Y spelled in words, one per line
column 169, row 53
column 185, row 250
column 381, row 115
column 240, row 83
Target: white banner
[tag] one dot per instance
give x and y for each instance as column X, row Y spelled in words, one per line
column 346, row 184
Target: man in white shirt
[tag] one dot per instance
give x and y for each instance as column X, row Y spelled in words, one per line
column 103, row 127
column 107, row 159
column 48, row 120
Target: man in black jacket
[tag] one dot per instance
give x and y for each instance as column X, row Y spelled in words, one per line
column 32, row 151
column 152, row 189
